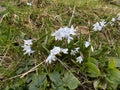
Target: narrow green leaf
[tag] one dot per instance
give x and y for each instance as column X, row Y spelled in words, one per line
column 91, row 69
column 92, row 60
column 118, row 51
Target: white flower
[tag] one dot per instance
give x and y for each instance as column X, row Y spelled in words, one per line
column 97, row 27
column 58, row 34
column 87, row 44
column 118, row 16
column 111, row 23
column 65, row 51
column 102, row 23
column 76, row 49
column 73, row 52
column 28, row 42
column 53, row 52
column 69, row 39
column 50, row 58
column 64, row 33
column 71, row 30
column 113, row 19
column 29, row 3
column 27, row 49
column 79, row 59
column 57, row 50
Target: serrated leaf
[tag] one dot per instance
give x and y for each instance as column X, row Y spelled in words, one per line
column 71, row 81
column 91, row 69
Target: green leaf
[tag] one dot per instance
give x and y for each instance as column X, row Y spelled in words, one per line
column 92, row 60
column 113, row 78
column 61, row 88
column 57, row 88
column 71, row 81
column 118, row 51
column 37, row 82
column 117, row 62
column 55, row 77
column 111, row 64
column 114, row 75
column 91, row 69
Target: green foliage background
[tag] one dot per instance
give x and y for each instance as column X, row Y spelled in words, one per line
column 99, row 70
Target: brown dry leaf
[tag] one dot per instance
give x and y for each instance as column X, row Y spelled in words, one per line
column 82, row 30
column 102, row 35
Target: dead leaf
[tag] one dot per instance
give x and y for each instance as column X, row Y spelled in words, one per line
column 82, row 30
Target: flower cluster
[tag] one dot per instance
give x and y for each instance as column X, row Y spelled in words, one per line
column 99, row 25
column 115, row 19
column 27, row 47
column 55, row 51
column 64, row 33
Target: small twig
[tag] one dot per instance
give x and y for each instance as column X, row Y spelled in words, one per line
column 24, row 74
column 12, row 77
column 31, row 70
column 72, row 16
column 65, row 66
column 7, row 57
column 35, row 62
